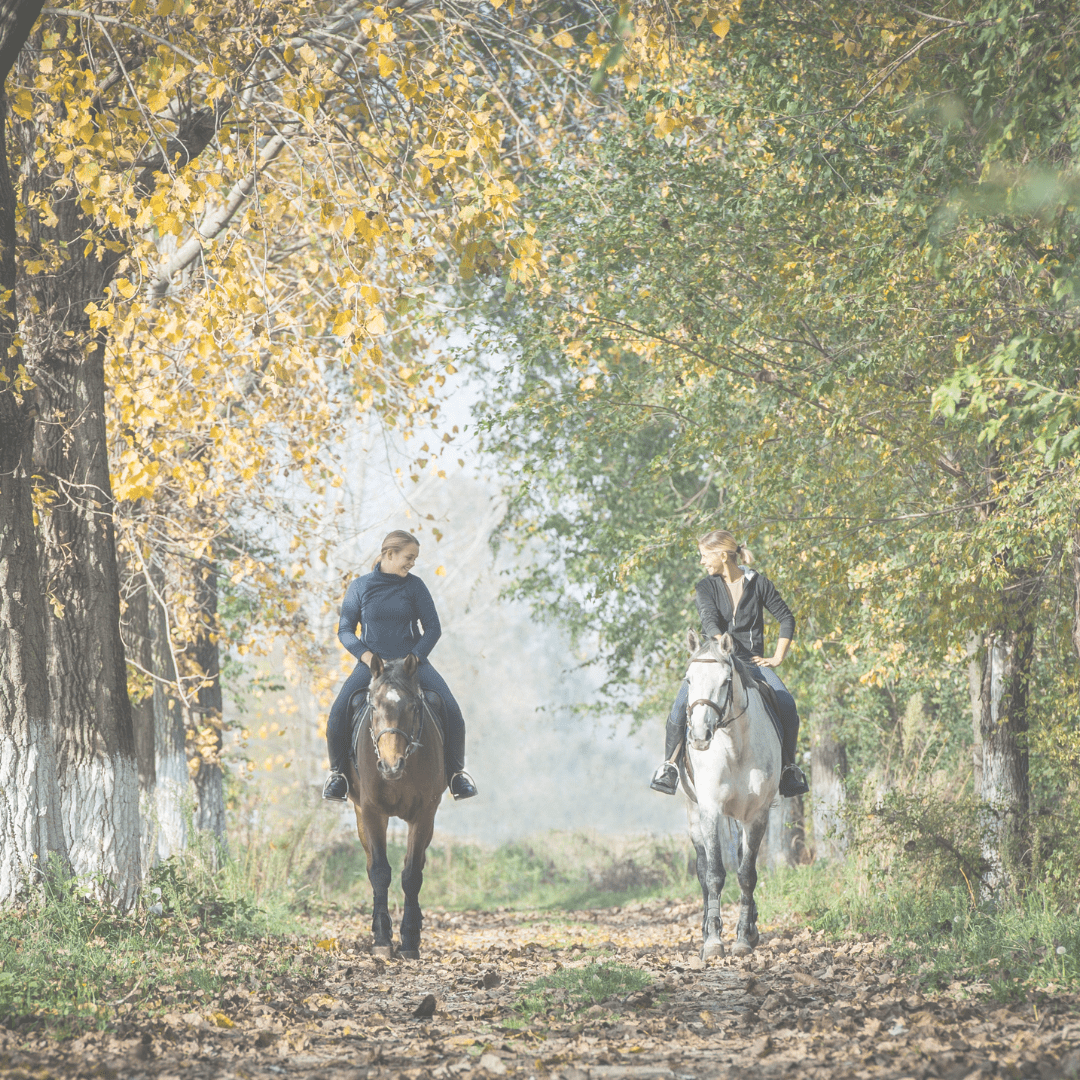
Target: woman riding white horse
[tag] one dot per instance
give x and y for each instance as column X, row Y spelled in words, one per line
column 396, row 617
column 733, row 599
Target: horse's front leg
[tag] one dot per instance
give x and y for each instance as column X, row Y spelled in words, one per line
column 412, row 878
column 746, row 933
column 706, row 831
column 371, row 827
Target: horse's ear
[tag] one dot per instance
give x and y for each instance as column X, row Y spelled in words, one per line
column 692, row 640
column 727, row 644
column 411, row 664
column 376, row 666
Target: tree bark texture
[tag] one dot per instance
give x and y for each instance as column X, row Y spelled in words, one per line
column 1076, row 587
column 29, row 819
column 975, row 680
column 207, row 715
column 174, row 797
column 785, row 838
column 89, row 709
column 1005, row 667
column 828, row 768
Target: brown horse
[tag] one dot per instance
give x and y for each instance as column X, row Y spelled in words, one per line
column 396, row 770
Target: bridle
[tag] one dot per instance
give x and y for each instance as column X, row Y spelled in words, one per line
column 418, row 706
column 720, row 708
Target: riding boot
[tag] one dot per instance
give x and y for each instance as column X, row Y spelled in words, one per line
column 666, row 777
column 336, row 788
column 792, row 780
column 460, row 783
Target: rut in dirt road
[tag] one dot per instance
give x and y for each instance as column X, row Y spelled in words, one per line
column 798, row 1006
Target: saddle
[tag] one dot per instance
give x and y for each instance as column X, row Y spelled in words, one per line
column 359, row 709
column 768, row 695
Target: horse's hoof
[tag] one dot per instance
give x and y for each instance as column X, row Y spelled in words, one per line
column 385, row 951
column 741, row 948
column 409, row 954
column 712, row 949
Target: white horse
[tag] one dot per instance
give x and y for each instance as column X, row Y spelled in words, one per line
column 734, row 766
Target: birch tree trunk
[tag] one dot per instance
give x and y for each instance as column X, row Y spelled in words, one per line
column 29, row 801
column 1076, row 587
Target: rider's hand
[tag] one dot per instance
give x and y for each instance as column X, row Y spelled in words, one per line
column 365, row 658
column 768, row 661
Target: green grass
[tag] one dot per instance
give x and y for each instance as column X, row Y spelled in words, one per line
column 567, row 871
column 942, row 934
column 69, row 962
column 574, row 989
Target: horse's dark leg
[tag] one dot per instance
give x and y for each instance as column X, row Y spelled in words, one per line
column 371, row 827
column 706, row 833
column 746, row 933
column 412, row 877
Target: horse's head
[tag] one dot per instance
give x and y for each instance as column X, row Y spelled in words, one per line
column 710, row 673
column 397, row 717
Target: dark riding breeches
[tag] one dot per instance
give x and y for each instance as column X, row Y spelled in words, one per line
column 338, row 726
column 789, row 714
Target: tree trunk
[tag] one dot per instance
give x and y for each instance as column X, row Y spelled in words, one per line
column 1005, row 665
column 975, row 680
column 174, row 801
column 29, row 804
column 828, row 768
column 139, row 651
column 206, row 721
column 785, row 840
column 1076, row 587
column 89, row 710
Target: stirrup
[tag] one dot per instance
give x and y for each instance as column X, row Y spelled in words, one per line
column 666, row 779
column 336, row 788
column 462, row 786
column 793, row 782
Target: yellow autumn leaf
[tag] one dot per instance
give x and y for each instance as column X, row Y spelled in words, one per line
column 386, row 65
column 329, row 944
column 721, row 27
column 440, row 571
column 563, row 40
column 221, row 1020
column 376, row 324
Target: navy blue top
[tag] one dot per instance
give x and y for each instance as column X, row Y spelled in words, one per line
column 391, row 612
column 747, row 624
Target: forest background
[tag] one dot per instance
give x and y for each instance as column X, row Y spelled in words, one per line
column 808, row 273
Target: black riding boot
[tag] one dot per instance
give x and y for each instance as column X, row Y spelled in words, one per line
column 336, row 788
column 666, row 777
column 460, row 783
column 792, row 780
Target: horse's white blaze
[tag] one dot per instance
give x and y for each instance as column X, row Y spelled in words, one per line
column 392, row 695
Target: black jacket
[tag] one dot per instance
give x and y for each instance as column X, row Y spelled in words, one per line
column 748, row 628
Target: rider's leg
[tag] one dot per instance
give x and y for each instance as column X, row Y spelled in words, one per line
column 336, row 787
column 460, row 783
column 792, row 780
column 666, row 777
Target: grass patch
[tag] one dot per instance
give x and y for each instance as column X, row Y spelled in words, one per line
column 568, row 871
column 69, row 963
column 1025, row 942
column 575, row 989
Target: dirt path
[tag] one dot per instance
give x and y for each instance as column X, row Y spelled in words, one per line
column 797, row 1007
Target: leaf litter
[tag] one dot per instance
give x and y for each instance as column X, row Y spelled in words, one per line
column 590, row 995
